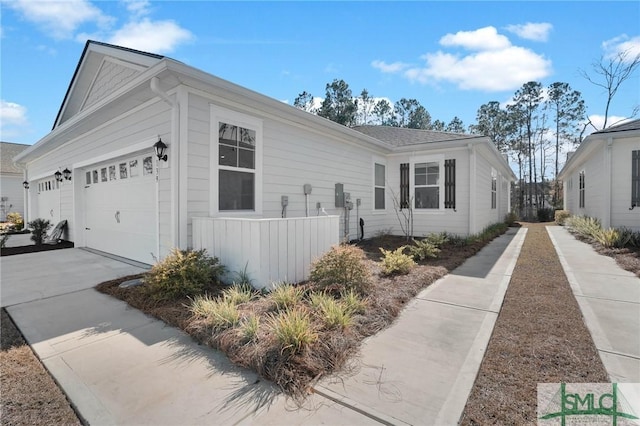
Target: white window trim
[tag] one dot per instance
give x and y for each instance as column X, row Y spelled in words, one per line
column 379, row 160
column 412, row 187
column 218, row 115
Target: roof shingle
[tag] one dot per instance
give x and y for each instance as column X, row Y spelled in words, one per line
column 402, row 136
column 8, row 150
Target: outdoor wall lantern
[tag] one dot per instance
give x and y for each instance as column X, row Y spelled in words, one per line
column 161, row 149
column 25, row 184
column 58, row 176
column 67, row 174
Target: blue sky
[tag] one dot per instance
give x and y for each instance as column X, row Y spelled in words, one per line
column 450, row 56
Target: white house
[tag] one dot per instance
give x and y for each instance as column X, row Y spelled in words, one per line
column 602, row 178
column 11, row 178
column 245, row 175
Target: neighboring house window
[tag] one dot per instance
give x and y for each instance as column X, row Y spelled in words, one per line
column 427, row 185
column 494, row 187
column 404, row 185
column 379, row 186
column 635, row 178
column 581, row 189
column 236, row 160
column 450, row 184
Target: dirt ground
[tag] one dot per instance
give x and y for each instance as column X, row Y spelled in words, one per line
column 28, row 394
column 539, row 337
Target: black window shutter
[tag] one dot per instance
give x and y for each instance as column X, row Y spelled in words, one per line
column 450, row 184
column 404, row 185
column 635, row 178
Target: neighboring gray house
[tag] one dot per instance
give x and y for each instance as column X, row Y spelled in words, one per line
column 602, row 178
column 11, row 178
column 243, row 171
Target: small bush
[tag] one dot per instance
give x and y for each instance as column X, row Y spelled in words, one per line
column 396, row 262
column 293, row 329
column 220, row 314
column 561, row 216
column 423, row 249
column 629, row 238
column 286, row 296
column 583, row 226
column 183, row 273
column 437, row 239
column 238, row 294
column 16, row 219
column 613, row 237
column 353, row 302
column 511, row 218
column 341, row 265
column 333, row 312
column 456, row 240
column 39, row 229
column 249, row 327
column 545, row 215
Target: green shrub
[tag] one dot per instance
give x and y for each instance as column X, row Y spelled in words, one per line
column 341, row 265
column 561, row 216
column 238, row 294
column 545, row 215
column 607, row 237
column 629, row 238
column 584, row 226
column 183, row 273
column 220, row 314
column 423, row 249
column 39, row 229
column 286, row 296
column 333, row 313
column 249, row 327
column 293, row 329
column 511, row 218
column 456, row 240
column 353, row 302
column 16, row 219
column 437, row 239
column 396, row 262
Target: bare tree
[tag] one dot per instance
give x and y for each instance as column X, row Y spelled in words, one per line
column 404, row 213
column 610, row 73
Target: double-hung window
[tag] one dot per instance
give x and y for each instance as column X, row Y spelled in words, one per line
column 236, row 167
column 427, row 185
column 379, row 186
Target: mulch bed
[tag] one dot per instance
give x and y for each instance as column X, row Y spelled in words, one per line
column 10, row 251
column 539, row 337
column 28, row 394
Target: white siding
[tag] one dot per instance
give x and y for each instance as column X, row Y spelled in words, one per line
column 621, row 184
column 11, row 189
column 144, row 123
column 595, row 191
column 485, row 215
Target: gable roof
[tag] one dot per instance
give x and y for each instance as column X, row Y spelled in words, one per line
column 623, row 127
column 8, row 150
column 115, row 63
column 402, row 136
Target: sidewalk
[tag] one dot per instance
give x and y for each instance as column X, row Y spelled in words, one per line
column 119, row 366
column 609, row 298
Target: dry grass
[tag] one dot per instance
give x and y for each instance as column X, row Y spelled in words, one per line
column 28, row 394
column 539, row 337
column 253, row 344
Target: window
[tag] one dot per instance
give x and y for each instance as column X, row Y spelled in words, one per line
column 379, row 185
column 581, row 189
column 123, row 170
column 450, row 184
column 147, row 166
column 88, row 178
column 133, row 168
column 427, row 185
column 237, row 163
column 494, row 187
column 635, row 178
column 103, row 174
column 112, row 172
column 95, row 176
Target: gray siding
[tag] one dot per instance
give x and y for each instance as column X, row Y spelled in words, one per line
column 621, row 185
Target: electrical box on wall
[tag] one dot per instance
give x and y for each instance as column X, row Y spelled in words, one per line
column 284, row 201
column 307, row 189
column 339, row 195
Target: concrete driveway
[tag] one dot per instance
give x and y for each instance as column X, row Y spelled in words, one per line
column 34, row 276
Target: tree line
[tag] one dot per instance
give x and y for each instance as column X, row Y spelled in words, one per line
column 533, row 129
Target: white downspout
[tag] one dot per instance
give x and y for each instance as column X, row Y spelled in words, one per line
column 154, row 85
column 606, row 220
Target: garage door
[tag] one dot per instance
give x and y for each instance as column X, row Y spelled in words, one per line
column 47, row 201
column 120, row 207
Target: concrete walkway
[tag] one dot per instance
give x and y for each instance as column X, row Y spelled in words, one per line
column 119, row 366
column 609, row 298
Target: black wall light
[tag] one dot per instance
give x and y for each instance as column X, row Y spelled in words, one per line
column 58, row 176
column 67, row 174
column 161, row 149
column 25, row 184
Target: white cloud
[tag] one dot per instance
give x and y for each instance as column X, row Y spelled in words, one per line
column 493, row 64
column 138, row 8
column 620, row 44
column 60, row 19
column 151, row 36
column 531, row 31
column 13, row 119
column 389, row 68
column 486, row 38
column 598, row 122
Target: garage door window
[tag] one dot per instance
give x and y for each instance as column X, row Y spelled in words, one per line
column 112, row 172
column 123, row 171
column 147, row 166
column 133, row 168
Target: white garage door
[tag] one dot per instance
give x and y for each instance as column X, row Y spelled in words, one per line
column 120, row 207
column 47, row 201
